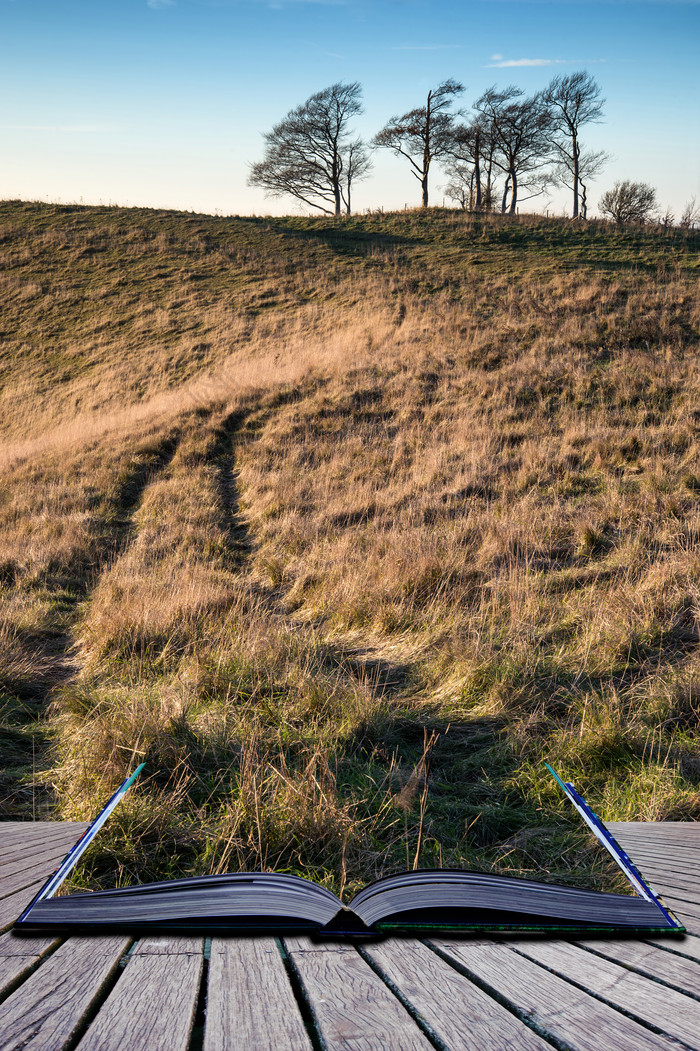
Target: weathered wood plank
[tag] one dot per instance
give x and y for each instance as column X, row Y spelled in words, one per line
column 13, row 905
column 32, row 872
column 558, row 1009
column 17, row 848
column 49, row 1008
column 19, row 955
column 352, row 1006
column 687, row 908
column 153, row 1004
column 670, row 863
column 457, row 1011
column 662, row 853
column 661, row 880
column 652, row 829
column 302, row 943
column 49, row 857
column 653, row 960
column 250, row 1001
column 686, row 946
column 13, row 944
column 169, row 945
column 659, row 847
column 675, row 1013
column 14, row 834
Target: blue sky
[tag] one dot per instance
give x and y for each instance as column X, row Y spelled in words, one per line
column 163, row 102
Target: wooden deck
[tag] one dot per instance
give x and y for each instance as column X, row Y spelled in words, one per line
column 195, row 994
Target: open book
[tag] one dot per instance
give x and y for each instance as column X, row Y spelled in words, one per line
column 428, row 900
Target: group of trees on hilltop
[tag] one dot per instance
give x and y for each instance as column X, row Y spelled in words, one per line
column 509, row 148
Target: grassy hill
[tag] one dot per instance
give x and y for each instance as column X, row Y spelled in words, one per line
column 344, row 527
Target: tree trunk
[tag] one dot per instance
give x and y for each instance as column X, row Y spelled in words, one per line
column 504, row 199
column 424, row 187
column 576, row 151
column 513, row 193
column 477, row 170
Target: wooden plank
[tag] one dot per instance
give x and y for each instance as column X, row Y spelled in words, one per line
column 169, row 945
column 33, row 872
column 686, row 862
column 12, row 906
column 47, row 1011
column 250, row 1001
column 689, row 945
column 458, row 1012
column 48, row 856
column 687, row 837
column 41, row 824
column 14, row 834
column 659, row 846
column 153, row 1004
column 569, row 1016
column 653, row 960
column 659, row 880
column 352, row 1006
column 688, row 908
column 666, row 854
column 19, row 955
column 663, row 829
column 659, row 871
column 17, row 847
column 675, row 1013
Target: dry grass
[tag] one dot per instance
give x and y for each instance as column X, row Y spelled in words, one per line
column 344, row 528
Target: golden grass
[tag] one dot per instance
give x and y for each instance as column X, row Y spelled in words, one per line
column 344, row 544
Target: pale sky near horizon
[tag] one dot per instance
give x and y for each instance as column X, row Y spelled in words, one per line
column 162, row 102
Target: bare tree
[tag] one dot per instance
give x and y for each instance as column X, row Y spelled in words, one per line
column 520, row 131
column 461, row 187
column 424, row 134
column 589, row 164
column 357, row 165
column 690, row 216
column 309, row 155
column 629, row 202
column 473, row 151
column 573, row 101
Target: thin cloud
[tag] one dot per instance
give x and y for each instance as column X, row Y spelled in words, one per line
column 499, row 62
column 505, row 63
column 156, row 5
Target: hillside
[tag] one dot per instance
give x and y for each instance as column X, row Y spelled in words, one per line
column 344, row 528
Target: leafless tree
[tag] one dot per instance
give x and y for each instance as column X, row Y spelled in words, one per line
column 461, row 186
column 310, row 154
column 573, row 101
column 424, row 134
column 690, row 216
column 629, row 202
column 473, row 151
column 520, row 131
column 589, row 164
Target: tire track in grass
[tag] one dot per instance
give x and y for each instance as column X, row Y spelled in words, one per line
column 43, row 658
